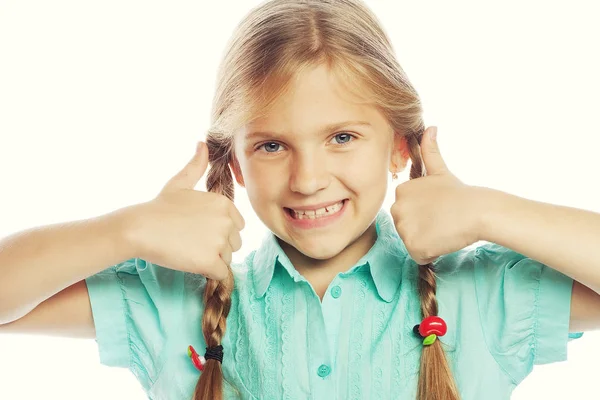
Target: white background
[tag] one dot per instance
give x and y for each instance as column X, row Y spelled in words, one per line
column 102, row 102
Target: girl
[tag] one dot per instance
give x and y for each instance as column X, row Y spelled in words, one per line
column 341, row 300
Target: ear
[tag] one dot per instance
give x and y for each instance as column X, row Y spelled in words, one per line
column 400, row 154
column 237, row 172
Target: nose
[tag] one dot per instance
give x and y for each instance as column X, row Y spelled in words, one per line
column 309, row 173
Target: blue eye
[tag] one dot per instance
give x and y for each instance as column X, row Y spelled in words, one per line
column 343, row 138
column 270, row 147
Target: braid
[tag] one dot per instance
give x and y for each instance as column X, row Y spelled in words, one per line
column 219, row 179
column 414, row 150
column 217, row 294
column 435, row 378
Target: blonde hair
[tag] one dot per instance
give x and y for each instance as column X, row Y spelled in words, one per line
column 273, row 43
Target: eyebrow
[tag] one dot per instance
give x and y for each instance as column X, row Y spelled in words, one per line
column 325, row 129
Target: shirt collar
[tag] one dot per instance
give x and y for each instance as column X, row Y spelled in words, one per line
column 384, row 260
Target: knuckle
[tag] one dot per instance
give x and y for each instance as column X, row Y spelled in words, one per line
column 219, row 274
column 411, row 246
column 224, row 203
column 398, row 190
column 216, row 200
column 423, row 255
column 221, row 242
column 399, row 209
column 214, row 263
column 395, row 210
column 201, row 265
column 226, row 259
column 223, row 232
column 401, row 231
column 418, row 251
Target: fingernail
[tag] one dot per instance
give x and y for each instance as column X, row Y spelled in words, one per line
column 434, row 133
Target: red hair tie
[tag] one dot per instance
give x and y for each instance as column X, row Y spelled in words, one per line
column 430, row 328
column 197, row 360
column 212, row 353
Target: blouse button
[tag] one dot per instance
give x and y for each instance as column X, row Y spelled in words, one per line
column 324, row 370
column 336, row 292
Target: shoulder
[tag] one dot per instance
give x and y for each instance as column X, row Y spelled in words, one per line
column 155, row 275
column 458, row 263
column 140, row 281
column 137, row 278
column 489, row 269
column 484, row 255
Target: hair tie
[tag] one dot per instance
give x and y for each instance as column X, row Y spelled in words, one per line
column 212, row 353
column 430, row 328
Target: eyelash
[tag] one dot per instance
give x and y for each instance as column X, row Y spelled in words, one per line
column 336, row 135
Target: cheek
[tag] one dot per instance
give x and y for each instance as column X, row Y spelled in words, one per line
column 364, row 168
column 261, row 182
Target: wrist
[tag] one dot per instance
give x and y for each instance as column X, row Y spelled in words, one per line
column 490, row 204
column 124, row 224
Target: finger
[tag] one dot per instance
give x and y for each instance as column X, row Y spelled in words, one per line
column 237, row 218
column 430, row 151
column 226, row 254
column 189, row 176
column 426, row 261
column 235, row 241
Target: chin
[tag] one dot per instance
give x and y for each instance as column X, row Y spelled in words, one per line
column 319, row 253
column 320, row 248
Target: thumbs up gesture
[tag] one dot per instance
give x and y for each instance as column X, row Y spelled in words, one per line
column 186, row 229
column 436, row 214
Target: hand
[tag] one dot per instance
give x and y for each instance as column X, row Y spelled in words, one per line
column 436, row 214
column 185, row 229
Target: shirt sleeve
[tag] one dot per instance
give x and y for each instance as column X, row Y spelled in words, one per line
column 524, row 307
column 135, row 305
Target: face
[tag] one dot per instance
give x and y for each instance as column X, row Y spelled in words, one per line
column 316, row 167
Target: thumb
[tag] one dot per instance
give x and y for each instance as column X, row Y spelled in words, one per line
column 189, row 176
column 430, row 151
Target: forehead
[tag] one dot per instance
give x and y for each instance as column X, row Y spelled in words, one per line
column 314, row 99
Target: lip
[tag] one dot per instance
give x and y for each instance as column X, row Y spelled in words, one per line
column 317, row 222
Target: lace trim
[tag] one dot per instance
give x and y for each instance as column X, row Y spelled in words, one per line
column 378, row 352
column 270, row 364
column 242, row 354
column 355, row 359
column 398, row 349
column 286, row 313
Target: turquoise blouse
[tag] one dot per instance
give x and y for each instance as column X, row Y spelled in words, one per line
column 505, row 313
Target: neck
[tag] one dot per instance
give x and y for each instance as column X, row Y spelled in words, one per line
column 320, row 273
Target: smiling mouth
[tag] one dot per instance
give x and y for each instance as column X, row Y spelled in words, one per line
column 318, row 213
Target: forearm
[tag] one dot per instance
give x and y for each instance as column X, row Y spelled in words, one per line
column 566, row 239
column 37, row 263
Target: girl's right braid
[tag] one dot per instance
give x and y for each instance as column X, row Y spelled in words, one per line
column 219, row 179
column 217, row 294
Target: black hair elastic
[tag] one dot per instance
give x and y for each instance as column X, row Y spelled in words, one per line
column 416, row 330
column 214, row 353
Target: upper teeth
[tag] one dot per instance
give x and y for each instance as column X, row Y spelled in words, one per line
column 319, row 212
